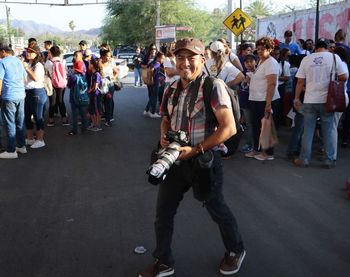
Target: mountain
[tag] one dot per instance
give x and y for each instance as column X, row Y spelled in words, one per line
column 32, row 29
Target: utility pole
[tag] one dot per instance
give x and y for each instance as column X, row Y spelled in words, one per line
column 229, row 33
column 317, row 19
column 8, row 24
column 158, row 13
column 240, row 6
column 158, row 21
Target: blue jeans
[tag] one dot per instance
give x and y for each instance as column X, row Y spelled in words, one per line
column 295, row 139
column 311, row 112
column 13, row 116
column 82, row 112
column 34, row 104
column 108, row 102
column 170, row 194
column 153, row 95
column 138, row 76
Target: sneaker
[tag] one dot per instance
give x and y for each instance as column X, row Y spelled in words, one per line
column 112, row 119
column 108, row 124
column 146, row 113
column 30, row 141
column 155, row 115
column 328, row 164
column 71, row 133
column 251, row 154
column 51, row 124
column 246, row 148
column 157, row 270
column 38, row 144
column 264, row 157
column 95, row 129
column 8, row 155
column 301, row 163
column 231, row 263
column 65, row 123
column 22, row 150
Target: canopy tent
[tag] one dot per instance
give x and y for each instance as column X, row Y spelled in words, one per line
column 56, row 2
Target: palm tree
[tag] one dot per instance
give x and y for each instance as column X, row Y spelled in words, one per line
column 72, row 25
column 258, row 8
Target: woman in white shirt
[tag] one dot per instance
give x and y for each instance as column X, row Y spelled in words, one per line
column 263, row 94
column 110, row 71
column 219, row 67
column 35, row 97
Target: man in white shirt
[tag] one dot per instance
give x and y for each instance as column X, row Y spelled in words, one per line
column 315, row 71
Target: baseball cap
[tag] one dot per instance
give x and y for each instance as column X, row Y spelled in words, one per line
column 322, row 43
column 217, row 46
column 5, row 47
column 78, row 66
column 83, row 42
column 192, row 44
column 34, row 48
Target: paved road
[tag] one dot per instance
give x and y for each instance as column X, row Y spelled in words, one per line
column 78, row 208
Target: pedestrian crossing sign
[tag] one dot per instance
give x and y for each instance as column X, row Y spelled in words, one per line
column 237, row 21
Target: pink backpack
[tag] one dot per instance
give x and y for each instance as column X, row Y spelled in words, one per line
column 59, row 75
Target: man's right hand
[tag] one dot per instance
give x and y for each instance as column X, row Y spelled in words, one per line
column 164, row 141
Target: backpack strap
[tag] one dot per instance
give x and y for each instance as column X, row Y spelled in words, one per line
column 210, row 119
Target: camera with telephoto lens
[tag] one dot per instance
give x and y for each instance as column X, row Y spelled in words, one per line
column 167, row 156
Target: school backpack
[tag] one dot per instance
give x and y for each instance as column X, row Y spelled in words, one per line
column 233, row 142
column 59, row 75
column 80, row 91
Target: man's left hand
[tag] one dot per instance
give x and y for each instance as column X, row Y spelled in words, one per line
column 187, row 152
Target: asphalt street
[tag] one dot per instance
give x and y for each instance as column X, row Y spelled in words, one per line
column 79, row 207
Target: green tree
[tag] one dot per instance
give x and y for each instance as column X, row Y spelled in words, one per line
column 71, row 25
column 258, row 8
column 132, row 22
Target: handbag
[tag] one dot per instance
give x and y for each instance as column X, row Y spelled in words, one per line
column 117, row 85
column 48, row 85
column 268, row 136
column 147, row 76
column 336, row 92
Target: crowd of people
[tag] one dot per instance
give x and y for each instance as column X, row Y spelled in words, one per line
column 29, row 81
column 265, row 74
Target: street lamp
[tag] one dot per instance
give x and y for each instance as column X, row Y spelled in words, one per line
column 317, row 19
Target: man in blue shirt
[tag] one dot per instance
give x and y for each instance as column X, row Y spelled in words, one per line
column 288, row 43
column 12, row 76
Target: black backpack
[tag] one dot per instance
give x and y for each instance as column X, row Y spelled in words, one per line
column 233, row 142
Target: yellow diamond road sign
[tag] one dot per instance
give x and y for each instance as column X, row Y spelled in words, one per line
column 237, row 22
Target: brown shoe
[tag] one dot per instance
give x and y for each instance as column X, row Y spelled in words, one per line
column 231, row 263
column 301, row 163
column 157, row 270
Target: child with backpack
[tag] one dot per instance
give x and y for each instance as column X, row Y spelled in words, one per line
column 78, row 98
column 56, row 67
column 95, row 104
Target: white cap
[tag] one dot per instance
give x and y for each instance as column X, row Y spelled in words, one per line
column 217, row 46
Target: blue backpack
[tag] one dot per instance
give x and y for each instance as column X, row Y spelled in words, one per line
column 80, row 91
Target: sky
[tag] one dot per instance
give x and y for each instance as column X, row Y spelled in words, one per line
column 84, row 17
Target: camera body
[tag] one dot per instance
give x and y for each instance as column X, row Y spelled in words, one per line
column 167, row 156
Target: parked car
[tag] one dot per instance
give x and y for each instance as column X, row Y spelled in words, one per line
column 120, row 63
column 123, row 68
column 127, row 53
column 69, row 62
